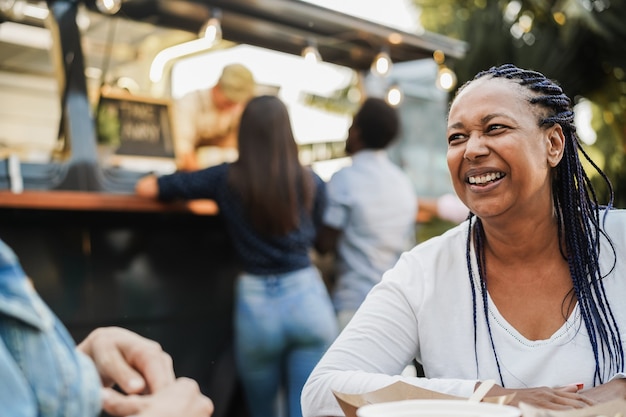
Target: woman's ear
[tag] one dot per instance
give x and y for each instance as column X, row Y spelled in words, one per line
column 556, row 144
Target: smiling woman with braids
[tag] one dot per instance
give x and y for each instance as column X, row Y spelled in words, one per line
column 528, row 291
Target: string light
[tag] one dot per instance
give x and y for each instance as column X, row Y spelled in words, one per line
column 394, row 96
column 310, row 53
column 109, row 6
column 212, row 29
column 446, row 78
column 382, row 64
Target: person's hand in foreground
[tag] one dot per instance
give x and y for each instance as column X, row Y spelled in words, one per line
column 136, row 364
column 145, row 374
column 560, row 398
column 612, row 390
column 181, row 398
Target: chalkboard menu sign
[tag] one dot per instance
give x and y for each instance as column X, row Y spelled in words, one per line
column 133, row 125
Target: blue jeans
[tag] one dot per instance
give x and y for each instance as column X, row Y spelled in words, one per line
column 283, row 325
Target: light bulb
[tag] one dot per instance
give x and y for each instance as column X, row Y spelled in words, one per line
column 311, row 54
column 446, row 78
column 212, row 30
column 382, row 64
column 394, row 96
column 109, row 6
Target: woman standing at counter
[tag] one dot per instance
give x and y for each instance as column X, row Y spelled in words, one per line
column 272, row 205
column 528, row 291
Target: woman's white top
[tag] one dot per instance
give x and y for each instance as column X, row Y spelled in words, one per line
column 423, row 309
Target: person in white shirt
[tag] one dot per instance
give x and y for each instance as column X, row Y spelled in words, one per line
column 372, row 206
column 206, row 121
column 529, row 291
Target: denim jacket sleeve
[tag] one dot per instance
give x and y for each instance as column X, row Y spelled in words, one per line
column 41, row 372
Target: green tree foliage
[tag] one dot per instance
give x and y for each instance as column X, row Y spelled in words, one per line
column 580, row 43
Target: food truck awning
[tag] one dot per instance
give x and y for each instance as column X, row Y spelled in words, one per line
column 289, row 25
column 95, row 52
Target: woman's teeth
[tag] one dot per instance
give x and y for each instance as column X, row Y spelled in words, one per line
column 483, row 179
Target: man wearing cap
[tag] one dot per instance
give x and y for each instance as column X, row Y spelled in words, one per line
column 206, row 121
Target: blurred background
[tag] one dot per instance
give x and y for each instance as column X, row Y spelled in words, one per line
column 155, row 49
column 68, row 66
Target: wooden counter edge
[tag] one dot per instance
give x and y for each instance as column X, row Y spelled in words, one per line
column 99, row 201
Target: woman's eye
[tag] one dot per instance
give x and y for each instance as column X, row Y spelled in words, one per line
column 455, row 137
column 495, row 127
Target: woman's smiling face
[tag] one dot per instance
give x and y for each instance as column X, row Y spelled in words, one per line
column 499, row 158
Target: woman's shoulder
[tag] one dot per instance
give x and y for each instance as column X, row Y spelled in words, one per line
column 613, row 222
column 433, row 267
column 615, row 214
column 441, row 250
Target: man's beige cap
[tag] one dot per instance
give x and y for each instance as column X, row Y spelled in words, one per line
column 237, row 83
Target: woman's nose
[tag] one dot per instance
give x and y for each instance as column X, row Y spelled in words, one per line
column 475, row 147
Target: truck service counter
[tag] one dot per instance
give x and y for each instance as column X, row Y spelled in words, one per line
column 166, row 271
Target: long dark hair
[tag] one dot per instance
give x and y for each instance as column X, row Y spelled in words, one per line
column 578, row 222
column 268, row 176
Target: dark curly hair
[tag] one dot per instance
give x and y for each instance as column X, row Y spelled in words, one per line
column 378, row 123
column 578, row 222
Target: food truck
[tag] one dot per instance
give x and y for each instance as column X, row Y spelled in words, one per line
column 97, row 254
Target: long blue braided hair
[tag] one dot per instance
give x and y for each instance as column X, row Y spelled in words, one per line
column 579, row 225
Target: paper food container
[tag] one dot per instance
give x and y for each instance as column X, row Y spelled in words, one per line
column 399, row 391
column 437, row 408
